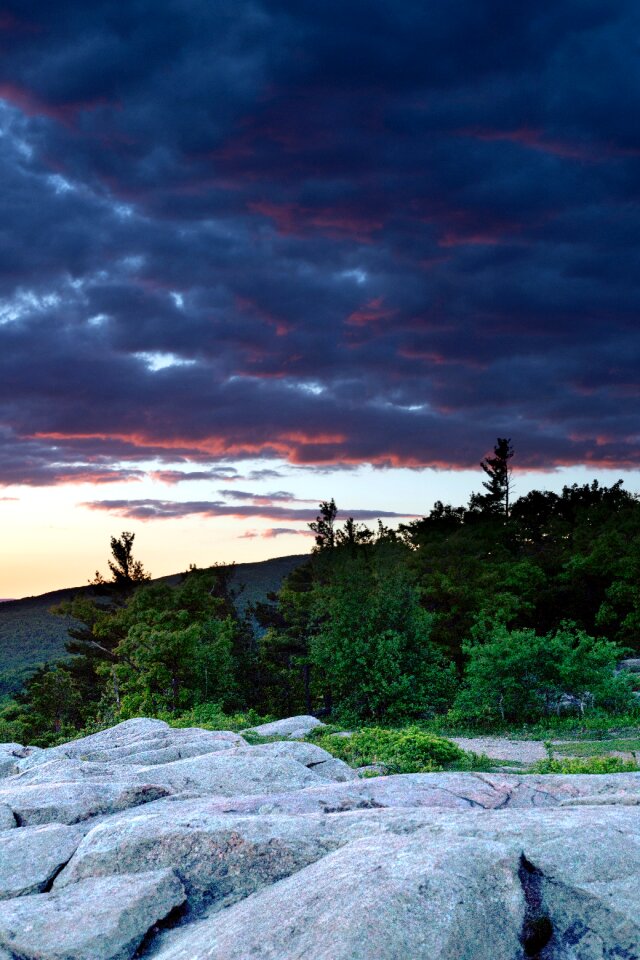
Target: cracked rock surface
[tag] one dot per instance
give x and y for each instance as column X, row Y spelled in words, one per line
column 148, row 842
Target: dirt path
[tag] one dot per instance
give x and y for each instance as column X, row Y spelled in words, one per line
column 499, row 748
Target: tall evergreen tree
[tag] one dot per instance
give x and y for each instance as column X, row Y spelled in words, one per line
column 324, row 526
column 125, row 571
column 499, row 485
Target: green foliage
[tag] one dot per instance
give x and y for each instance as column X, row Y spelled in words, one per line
column 498, row 485
column 163, row 650
column 324, row 526
column 176, row 649
column 520, row 675
column 371, row 646
column 53, row 706
column 319, row 733
column 585, row 765
column 595, row 724
column 12, row 726
column 283, row 657
column 569, row 556
column 212, row 716
column 410, row 750
column 515, row 614
column 31, row 635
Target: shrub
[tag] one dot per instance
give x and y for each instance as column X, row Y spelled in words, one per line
column 586, row 765
column 521, row 675
column 401, row 751
column 211, row 716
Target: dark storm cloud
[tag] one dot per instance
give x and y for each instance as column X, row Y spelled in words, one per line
column 326, row 233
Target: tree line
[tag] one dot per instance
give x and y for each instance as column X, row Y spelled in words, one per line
column 503, row 610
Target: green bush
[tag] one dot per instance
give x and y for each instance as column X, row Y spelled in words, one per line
column 371, row 646
column 585, row 765
column 401, row 751
column 11, row 731
column 520, row 675
column 211, row 716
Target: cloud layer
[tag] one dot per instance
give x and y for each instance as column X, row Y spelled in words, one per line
column 319, row 232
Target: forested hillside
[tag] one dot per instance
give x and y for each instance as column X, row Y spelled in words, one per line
column 31, row 635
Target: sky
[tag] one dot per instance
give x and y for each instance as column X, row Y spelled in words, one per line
column 259, row 253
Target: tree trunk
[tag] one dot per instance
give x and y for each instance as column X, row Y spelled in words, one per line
column 306, row 674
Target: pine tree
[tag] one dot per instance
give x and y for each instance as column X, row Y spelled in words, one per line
column 499, row 485
column 125, row 571
column 324, row 526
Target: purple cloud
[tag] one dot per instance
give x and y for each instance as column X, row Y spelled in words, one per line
column 201, row 265
column 172, row 509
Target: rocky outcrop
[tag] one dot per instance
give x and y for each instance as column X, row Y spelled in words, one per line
column 31, row 858
column 295, row 728
column 112, row 850
column 102, row 919
column 377, row 900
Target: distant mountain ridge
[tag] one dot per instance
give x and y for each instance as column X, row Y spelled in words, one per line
column 31, row 635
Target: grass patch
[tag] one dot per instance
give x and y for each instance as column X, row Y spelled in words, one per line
column 598, row 748
column 594, row 765
column 594, row 726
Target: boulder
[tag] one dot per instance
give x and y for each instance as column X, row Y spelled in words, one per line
column 312, row 756
column 30, row 858
column 73, row 802
column 71, row 770
column 294, row 728
column 11, row 754
column 453, row 791
column 137, row 742
column 379, row 898
column 445, row 790
column 306, row 753
column 128, row 734
column 221, row 858
column 230, row 772
column 373, row 770
column 587, row 888
column 7, row 819
column 170, row 752
column 103, row 919
column 336, row 770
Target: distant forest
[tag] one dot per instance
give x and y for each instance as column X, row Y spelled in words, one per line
column 31, row 635
column 503, row 610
